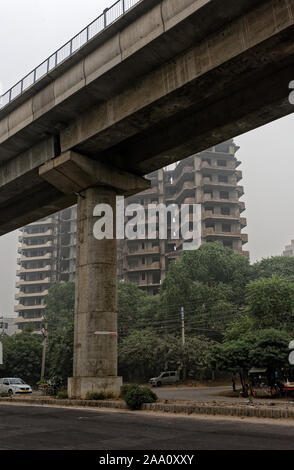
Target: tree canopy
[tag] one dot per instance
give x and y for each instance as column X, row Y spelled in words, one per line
column 22, row 354
column 271, row 302
column 281, row 266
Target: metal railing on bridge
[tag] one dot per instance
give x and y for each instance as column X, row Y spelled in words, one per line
column 109, row 15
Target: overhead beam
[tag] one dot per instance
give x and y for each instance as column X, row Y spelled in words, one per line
column 72, row 173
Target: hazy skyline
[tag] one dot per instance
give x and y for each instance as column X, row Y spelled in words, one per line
column 30, row 31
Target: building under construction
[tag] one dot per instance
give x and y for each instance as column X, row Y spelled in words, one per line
column 211, row 178
column 47, row 254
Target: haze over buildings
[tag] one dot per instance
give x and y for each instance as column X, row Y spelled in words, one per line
column 267, row 153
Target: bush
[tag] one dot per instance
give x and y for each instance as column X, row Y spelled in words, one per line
column 135, row 396
column 4, row 395
column 98, row 396
column 62, row 395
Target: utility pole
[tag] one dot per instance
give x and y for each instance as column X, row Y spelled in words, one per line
column 45, row 334
column 183, row 325
column 183, row 342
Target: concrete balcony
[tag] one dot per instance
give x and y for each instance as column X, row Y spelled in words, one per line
column 231, row 166
column 22, row 282
column 35, row 247
column 216, row 199
column 35, row 258
column 209, row 215
column 188, row 186
column 176, row 255
column 243, row 222
column 25, row 235
column 20, row 307
column 23, row 270
column 239, row 175
column 214, row 183
column 242, row 206
column 210, row 231
column 244, row 237
column 184, row 172
column 21, row 320
column 240, row 190
column 145, row 267
column 21, row 295
column 147, row 252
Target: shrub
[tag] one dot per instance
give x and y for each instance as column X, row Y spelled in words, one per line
column 4, row 395
column 98, row 396
column 62, row 395
column 135, row 396
column 126, row 388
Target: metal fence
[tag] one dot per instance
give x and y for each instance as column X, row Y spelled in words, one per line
column 93, row 29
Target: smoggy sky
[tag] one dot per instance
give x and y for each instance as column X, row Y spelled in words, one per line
column 31, row 30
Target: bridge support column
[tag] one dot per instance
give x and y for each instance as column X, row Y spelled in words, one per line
column 95, row 342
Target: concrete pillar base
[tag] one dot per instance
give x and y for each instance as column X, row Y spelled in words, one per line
column 79, row 386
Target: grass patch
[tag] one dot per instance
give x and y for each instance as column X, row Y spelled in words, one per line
column 98, row 396
column 62, row 395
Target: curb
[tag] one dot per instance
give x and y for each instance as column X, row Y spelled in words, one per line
column 66, row 403
column 197, row 409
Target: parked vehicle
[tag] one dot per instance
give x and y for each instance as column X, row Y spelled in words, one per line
column 265, row 383
column 165, row 378
column 288, row 373
column 14, row 386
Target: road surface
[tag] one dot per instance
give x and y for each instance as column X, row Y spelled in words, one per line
column 50, row 428
column 208, row 395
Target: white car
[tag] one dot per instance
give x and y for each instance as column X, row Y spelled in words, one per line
column 14, row 386
column 165, row 378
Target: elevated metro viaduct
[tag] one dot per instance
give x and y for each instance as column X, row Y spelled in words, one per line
column 168, row 79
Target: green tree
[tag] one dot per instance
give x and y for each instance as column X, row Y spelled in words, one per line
column 22, row 355
column 271, row 303
column 270, row 349
column 143, row 355
column 238, row 328
column 212, row 264
column 260, row 348
column 210, row 284
column 59, row 312
column 60, row 353
column 281, row 266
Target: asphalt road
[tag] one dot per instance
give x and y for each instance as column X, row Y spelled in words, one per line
column 49, row 428
column 207, row 395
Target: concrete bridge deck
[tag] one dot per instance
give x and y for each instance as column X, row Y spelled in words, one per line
column 166, row 80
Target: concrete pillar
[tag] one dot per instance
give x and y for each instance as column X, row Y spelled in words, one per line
column 95, row 355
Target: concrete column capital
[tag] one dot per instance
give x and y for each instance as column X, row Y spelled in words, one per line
column 72, row 173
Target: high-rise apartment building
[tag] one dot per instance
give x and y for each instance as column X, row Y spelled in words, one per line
column 289, row 249
column 47, row 255
column 210, row 179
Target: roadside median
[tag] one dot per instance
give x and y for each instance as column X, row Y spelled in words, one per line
column 274, row 412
